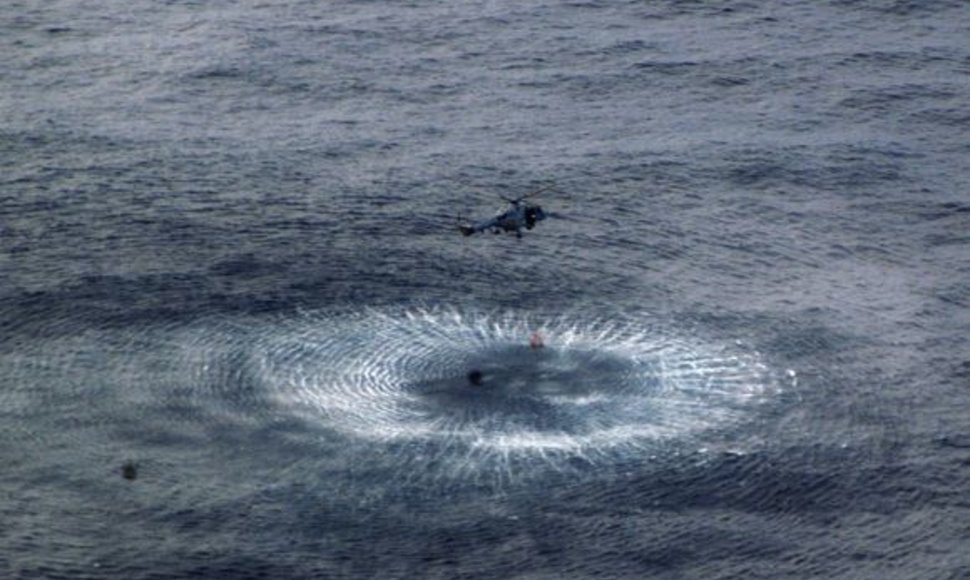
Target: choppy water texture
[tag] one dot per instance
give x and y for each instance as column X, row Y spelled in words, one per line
column 240, row 336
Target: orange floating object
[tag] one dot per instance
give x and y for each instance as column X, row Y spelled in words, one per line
column 535, row 341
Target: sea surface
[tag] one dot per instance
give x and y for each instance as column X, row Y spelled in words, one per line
column 241, row 336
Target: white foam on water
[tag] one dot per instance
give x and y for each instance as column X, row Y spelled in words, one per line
column 599, row 384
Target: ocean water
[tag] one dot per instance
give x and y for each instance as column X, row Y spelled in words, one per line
column 237, row 322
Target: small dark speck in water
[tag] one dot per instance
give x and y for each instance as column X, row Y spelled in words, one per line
column 129, row 471
column 475, row 377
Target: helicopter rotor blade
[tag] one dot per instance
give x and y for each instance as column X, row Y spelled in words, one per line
column 514, row 200
column 538, row 191
column 555, row 215
column 530, row 194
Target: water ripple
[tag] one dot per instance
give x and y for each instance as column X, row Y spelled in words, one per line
column 389, row 386
column 599, row 384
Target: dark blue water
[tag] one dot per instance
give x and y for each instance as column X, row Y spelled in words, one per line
column 237, row 320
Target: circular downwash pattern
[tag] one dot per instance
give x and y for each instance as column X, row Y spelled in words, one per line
column 470, row 382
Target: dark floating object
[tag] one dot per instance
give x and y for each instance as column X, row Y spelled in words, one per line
column 475, row 377
column 129, row 471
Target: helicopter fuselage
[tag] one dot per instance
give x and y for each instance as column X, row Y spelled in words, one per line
column 520, row 215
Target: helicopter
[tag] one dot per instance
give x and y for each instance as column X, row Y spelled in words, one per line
column 520, row 214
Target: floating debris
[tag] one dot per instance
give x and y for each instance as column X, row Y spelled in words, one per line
column 129, row 471
column 475, row 377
